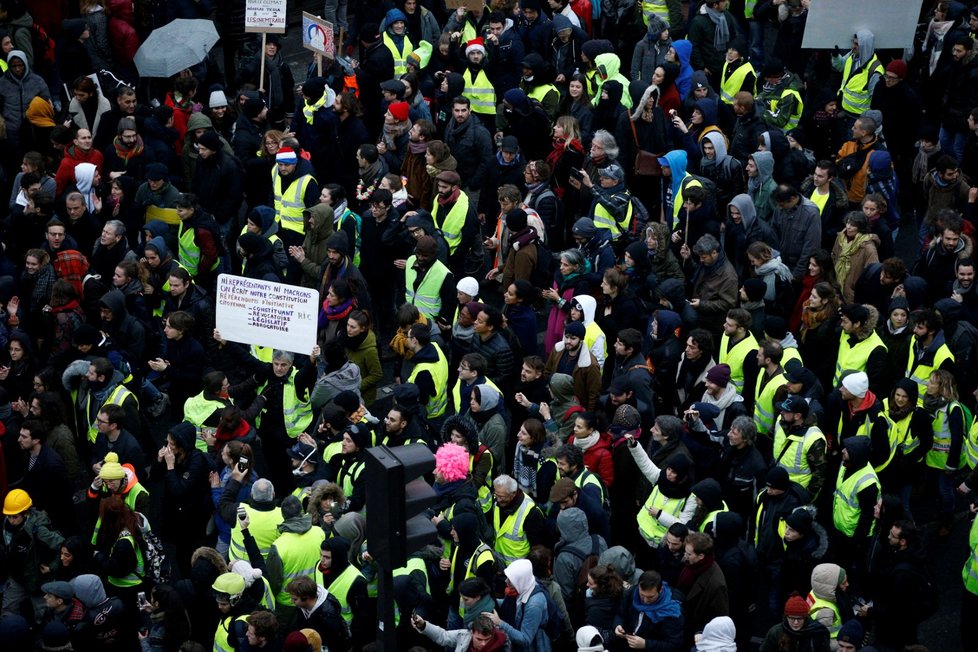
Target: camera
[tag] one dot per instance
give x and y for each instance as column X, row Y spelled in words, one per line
column 243, row 463
column 242, row 514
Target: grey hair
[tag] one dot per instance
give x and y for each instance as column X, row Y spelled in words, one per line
column 706, row 244
column 117, row 226
column 505, row 482
column 75, row 196
column 671, row 427
column 604, row 138
column 263, row 491
column 745, row 426
column 283, row 355
column 573, row 257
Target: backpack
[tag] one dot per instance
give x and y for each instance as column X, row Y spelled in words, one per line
column 552, row 229
column 588, row 562
column 42, row 44
column 157, row 567
column 556, row 626
column 542, row 275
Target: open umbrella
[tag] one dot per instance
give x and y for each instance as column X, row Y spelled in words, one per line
column 176, row 46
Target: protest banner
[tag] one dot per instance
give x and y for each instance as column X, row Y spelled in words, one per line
column 277, row 315
column 832, row 23
column 472, row 5
column 265, row 16
column 317, row 35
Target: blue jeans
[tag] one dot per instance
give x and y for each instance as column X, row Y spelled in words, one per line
column 953, row 141
column 944, row 484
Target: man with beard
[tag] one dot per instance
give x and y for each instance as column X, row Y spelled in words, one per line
column 471, row 145
column 963, row 288
column 799, row 446
column 414, row 166
column 571, row 357
column 857, row 489
column 454, row 213
column 126, row 154
column 478, row 89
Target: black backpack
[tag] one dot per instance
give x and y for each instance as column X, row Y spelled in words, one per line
column 542, row 275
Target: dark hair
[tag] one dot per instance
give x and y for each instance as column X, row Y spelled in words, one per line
column 536, row 430
column 182, row 274
column 422, row 333
column 702, row 543
column 494, row 317
column 703, row 340
column 535, row 362
column 590, row 418
column 477, row 362
column 368, row 152
column 783, row 193
column 828, row 166
column 336, row 192
column 540, row 559
column 696, row 194
column 302, row 586
column 85, row 85
column 650, row 579
column 186, row 200
column 825, row 263
column 607, row 582
column 52, row 409
column 461, row 99
column 630, row 338
column 945, row 162
column 741, row 316
column 264, row 623
column 349, row 102
column 571, row 453
column 114, row 413
column 426, row 128
column 908, row 531
column 894, row 268
column 931, row 319
column 678, row 530
column 772, row 349
column 474, row 587
column 35, row 429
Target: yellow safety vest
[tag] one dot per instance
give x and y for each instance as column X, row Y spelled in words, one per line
column 937, row 456
column 789, row 354
column 340, row 589
column 413, row 564
column 400, row 58
column 188, row 253
column 818, row 604
column 135, row 576
column 479, row 92
column 300, row 557
column 485, row 491
column 296, row 412
column 358, row 223
column 427, row 298
column 845, row 502
column 221, row 635
column 969, row 574
column 730, row 86
column 971, row 445
column 735, row 356
column 920, row 373
column 585, row 478
column 452, row 224
column 457, row 394
column 701, row 527
column 792, row 455
column 901, row 437
column 855, row 358
column 130, row 499
column 347, row 478
column 290, row 206
column 510, row 542
column 649, row 527
column 263, row 527
column 605, row 220
column 538, row 93
column 678, row 202
column 117, row 396
column 764, row 401
column 759, row 515
column 439, row 374
column 482, row 554
column 795, row 117
column 197, row 410
column 657, row 7
column 855, row 86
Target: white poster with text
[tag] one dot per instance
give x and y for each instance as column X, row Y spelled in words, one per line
column 264, row 313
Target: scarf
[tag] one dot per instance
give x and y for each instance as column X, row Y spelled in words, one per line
column 585, row 443
column 371, row 172
column 847, row 249
column 525, row 465
column 897, row 413
column 664, row 607
column 895, row 331
column 451, row 199
column 722, row 34
column 353, row 343
column 957, row 289
column 485, row 605
column 812, row 319
column 770, row 272
column 417, row 148
column 447, row 488
column 920, row 166
column 703, row 270
column 335, row 313
column 309, row 110
column 124, row 153
column 393, row 132
column 753, row 185
column 934, row 403
column 691, row 572
column 273, row 66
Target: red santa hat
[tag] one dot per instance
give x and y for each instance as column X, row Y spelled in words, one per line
column 475, row 44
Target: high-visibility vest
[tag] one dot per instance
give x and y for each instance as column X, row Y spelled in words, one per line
column 730, row 86
column 263, row 526
column 129, row 499
column 648, row 526
column 340, row 589
column 117, row 396
column 267, row 597
column 605, row 220
column 197, row 410
column 759, row 507
column 482, row 554
column 290, row 205
column 789, row 354
column 188, row 252
column 413, row 564
column 479, row 92
column 338, row 225
column 485, row 491
column 457, row 394
column 845, row 502
column 937, row 456
column 735, row 356
column 678, row 202
column 764, row 401
column 969, row 573
column 585, row 478
column 296, row 412
column 701, row 527
column 539, row 92
column 971, row 445
column 920, row 373
column 657, row 7
column 222, row 633
column 511, row 542
column 855, row 86
column 427, row 298
column 793, row 454
column 854, row 358
column 901, row 437
column 262, row 353
column 439, row 374
column 795, row 117
column 451, row 225
column 817, row 604
column 348, row 477
column 135, row 576
column 300, row 557
column 400, row 57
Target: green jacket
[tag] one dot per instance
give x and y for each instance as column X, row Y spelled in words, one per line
column 367, row 359
column 31, row 545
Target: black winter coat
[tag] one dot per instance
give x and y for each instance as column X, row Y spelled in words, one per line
column 217, row 184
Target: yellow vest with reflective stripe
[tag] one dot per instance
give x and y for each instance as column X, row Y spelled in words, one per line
column 413, row 564
column 482, row 554
column 290, row 205
column 920, row 373
column 971, row 445
column 901, row 437
column 130, row 499
column 451, row 225
column 856, row 357
column 764, row 401
column 792, row 454
column 845, row 502
column 969, row 574
column 479, row 92
column 135, row 576
column 300, row 557
column 296, row 412
column 427, row 298
column 649, row 527
column 789, row 354
column 263, row 527
column 511, row 542
column 485, row 491
column 735, row 357
column 795, row 117
column 585, row 478
column 117, row 396
column 539, row 92
column 348, row 478
column 855, row 86
column 937, row 456
column 188, row 253
column 197, row 410
column 730, row 86
column 678, row 202
column 221, row 635
column 657, row 7
column 400, row 58
column 709, row 517
column 340, row 589
column 605, row 220
column 817, row 604
column 439, row 374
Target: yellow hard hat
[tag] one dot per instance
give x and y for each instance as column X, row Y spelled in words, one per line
column 16, row 502
column 111, row 469
column 231, row 585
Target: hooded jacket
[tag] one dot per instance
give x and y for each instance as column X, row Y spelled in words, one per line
column 760, row 193
column 684, row 50
column 574, row 547
column 127, row 334
column 16, row 94
column 608, row 66
column 650, row 52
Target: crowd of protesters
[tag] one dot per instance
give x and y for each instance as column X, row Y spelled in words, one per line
column 686, row 313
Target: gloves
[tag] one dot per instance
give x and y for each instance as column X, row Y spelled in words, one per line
column 263, row 373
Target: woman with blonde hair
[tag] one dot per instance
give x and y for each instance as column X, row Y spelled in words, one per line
column 567, row 153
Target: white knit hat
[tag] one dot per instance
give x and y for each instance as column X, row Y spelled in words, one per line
column 217, row 99
column 468, row 285
column 857, row 383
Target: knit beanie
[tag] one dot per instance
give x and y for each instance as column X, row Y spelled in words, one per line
column 399, row 110
column 111, row 469
column 217, row 99
column 800, row 520
column 852, row 632
column 754, row 288
column 796, row 606
column 719, row 375
column 857, row 383
column 210, row 140
column 575, row 329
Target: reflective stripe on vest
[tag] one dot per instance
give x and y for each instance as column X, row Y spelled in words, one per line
column 920, row 373
column 400, row 58
column 413, row 564
column 511, row 543
column 816, row 604
column 427, row 297
column 453, row 223
column 735, row 357
column 585, row 478
column 856, row 357
column 438, row 403
column 188, row 253
column 290, row 206
column 855, row 86
column 135, row 576
column 937, row 456
column 349, row 476
column 648, row 526
column 605, row 220
column 300, row 558
column 117, row 396
column 130, row 499
column 263, row 527
column 701, row 527
column 479, row 92
column 358, row 221
column 457, row 391
column 764, row 401
column 793, row 456
column 795, row 117
column 657, row 7
column 221, row 635
column 969, row 574
column 845, row 502
column 730, row 86
column 340, row 589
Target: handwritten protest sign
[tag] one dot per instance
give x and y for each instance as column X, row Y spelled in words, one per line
column 264, row 313
column 266, row 16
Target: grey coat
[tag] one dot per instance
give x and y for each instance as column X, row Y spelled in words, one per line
column 650, row 51
column 573, row 548
column 16, row 95
column 799, row 232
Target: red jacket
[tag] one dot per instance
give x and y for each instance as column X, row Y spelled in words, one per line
column 122, row 31
column 65, row 177
column 598, row 460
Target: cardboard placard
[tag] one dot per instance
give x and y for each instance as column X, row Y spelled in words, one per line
column 317, row 35
column 277, row 315
column 832, row 23
column 472, row 5
column 265, row 16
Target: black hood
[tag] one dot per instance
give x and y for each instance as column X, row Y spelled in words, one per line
column 858, row 448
